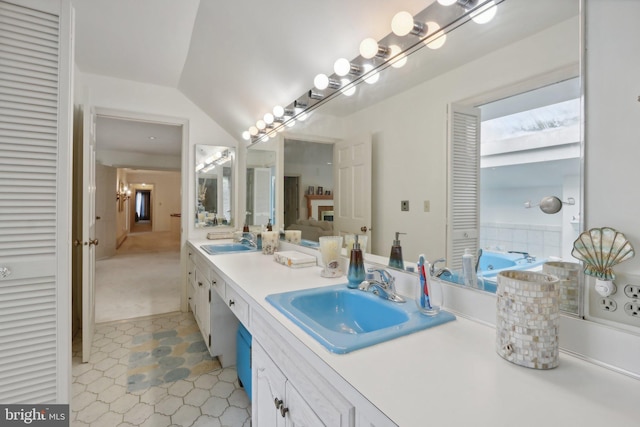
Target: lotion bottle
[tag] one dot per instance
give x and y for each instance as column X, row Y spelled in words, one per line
column 395, row 258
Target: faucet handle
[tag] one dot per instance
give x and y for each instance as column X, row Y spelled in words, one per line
column 385, row 276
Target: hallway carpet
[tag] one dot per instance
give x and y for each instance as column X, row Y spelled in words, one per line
column 142, row 279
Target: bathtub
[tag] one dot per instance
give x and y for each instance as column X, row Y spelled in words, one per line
column 492, row 263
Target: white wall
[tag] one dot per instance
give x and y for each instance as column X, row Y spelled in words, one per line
column 312, row 163
column 112, row 93
column 612, row 149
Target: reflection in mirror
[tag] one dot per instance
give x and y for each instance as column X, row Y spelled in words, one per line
column 308, row 187
column 214, row 185
column 260, row 204
column 527, row 46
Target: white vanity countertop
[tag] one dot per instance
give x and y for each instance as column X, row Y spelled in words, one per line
column 449, row 375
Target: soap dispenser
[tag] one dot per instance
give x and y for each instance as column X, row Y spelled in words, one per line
column 269, row 225
column 356, row 274
column 395, row 259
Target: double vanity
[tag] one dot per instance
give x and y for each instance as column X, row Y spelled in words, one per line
column 448, row 374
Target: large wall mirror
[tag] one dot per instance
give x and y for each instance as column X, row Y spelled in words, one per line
column 519, row 75
column 214, row 185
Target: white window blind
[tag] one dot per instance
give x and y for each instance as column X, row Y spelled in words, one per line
column 29, row 97
column 463, row 184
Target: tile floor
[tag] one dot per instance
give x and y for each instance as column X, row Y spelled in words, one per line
column 99, row 390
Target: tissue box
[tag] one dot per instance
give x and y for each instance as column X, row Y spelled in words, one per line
column 294, row 259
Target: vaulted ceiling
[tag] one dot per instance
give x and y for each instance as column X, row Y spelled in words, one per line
column 234, row 59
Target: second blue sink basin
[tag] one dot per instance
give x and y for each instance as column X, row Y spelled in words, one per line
column 227, row 248
column 344, row 319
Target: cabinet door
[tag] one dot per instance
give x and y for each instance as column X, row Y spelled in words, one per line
column 298, row 412
column 268, row 385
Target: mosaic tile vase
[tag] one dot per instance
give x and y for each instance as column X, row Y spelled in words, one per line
column 528, row 319
column 569, row 285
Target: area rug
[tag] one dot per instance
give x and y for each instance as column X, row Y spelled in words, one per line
column 167, row 356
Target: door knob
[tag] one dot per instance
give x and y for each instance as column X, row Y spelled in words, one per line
column 98, row 217
column 77, row 242
column 364, row 229
column 93, row 242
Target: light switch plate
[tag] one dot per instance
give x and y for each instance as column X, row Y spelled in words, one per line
column 404, row 205
column 427, row 206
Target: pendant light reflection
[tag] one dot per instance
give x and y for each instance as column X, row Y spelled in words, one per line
column 347, row 90
column 373, row 77
column 400, row 60
column 484, row 13
column 436, row 38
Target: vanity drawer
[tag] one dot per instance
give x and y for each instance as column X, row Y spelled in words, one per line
column 238, row 305
column 218, row 284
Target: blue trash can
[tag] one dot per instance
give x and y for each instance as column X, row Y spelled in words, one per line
column 243, row 358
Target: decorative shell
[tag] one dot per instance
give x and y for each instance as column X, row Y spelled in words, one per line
column 601, row 249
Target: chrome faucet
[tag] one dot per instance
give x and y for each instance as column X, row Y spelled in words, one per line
column 433, row 272
column 383, row 286
column 525, row 255
column 248, row 238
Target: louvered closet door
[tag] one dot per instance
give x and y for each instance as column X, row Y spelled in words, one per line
column 463, row 225
column 33, row 134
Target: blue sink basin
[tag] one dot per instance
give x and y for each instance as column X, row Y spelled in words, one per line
column 344, row 319
column 227, row 248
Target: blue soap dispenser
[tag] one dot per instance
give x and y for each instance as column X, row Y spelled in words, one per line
column 355, row 275
column 395, row 259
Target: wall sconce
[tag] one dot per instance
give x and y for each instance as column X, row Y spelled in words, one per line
column 551, row 204
column 122, row 194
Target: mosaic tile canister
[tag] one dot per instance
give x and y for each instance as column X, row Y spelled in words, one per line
column 528, row 319
column 569, row 285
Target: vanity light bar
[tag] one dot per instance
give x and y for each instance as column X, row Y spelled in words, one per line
column 427, row 28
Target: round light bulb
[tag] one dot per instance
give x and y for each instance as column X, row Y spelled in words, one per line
column 402, row 23
column 484, row 13
column 373, row 77
column 278, row 111
column 253, row 131
column 397, row 61
column 436, row 39
column 342, row 67
column 246, row 135
column 347, row 91
column 268, row 118
column 446, row 2
column 368, row 48
column 321, row 82
column 260, row 124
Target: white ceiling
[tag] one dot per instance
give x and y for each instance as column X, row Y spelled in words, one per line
column 138, row 137
column 234, row 59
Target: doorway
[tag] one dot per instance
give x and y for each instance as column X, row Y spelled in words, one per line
column 141, row 208
column 291, row 200
column 127, row 284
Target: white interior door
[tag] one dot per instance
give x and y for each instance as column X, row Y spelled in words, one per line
column 352, row 183
column 88, row 230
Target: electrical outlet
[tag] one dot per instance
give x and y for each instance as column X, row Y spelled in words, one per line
column 404, row 205
column 632, row 309
column 625, row 313
column 607, row 304
column 632, row 291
